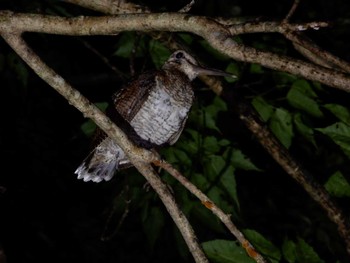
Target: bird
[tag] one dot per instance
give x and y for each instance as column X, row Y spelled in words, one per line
column 152, row 110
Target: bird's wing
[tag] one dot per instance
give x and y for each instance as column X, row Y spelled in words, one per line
column 130, row 99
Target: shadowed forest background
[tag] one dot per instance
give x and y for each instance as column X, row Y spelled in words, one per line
column 47, row 215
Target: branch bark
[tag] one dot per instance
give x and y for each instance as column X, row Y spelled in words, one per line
column 209, row 204
column 216, row 34
column 219, row 36
column 281, row 155
column 141, row 158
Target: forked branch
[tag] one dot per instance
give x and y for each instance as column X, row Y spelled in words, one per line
column 141, row 158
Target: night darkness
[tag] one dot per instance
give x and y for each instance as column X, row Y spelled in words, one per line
column 47, row 215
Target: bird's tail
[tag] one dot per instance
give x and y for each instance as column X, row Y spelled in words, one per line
column 102, row 162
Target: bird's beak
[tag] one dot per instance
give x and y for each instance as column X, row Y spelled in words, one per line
column 212, row 72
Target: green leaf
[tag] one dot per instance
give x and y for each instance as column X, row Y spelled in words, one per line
column 196, row 136
column 305, row 253
column 214, row 166
column 216, row 170
column 228, row 181
column 240, row 160
column 206, row 117
column 281, row 126
column 217, row 105
column 340, row 134
column 212, row 111
column 300, row 251
column 181, row 157
column 233, row 69
column 224, row 251
column 125, row 45
column 284, row 78
column 180, row 245
column 130, row 42
column 159, row 53
column 89, row 127
column 218, row 196
column 337, row 185
column 256, row 69
column 19, row 67
column 224, row 142
column 340, row 112
column 154, row 225
column 101, row 105
column 190, row 145
column 210, row 121
column 301, row 96
column 200, row 181
column 186, row 37
column 262, row 244
column 303, row 129
column 264, row 109
column 211, row 144
column 289, row 251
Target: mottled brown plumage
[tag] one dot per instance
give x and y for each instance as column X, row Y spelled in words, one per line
column 152, row 111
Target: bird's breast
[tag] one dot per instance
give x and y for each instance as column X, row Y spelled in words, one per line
column 162, row 115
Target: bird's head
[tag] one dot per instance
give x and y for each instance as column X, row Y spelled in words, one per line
column 185, row 63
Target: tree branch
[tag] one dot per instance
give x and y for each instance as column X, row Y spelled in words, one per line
column 217, row 35
column 224, row 218
column 281, row 155
column 141, row 158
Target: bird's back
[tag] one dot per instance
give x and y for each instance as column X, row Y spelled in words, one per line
column 156, row 105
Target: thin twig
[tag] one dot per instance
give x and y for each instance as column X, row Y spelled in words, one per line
column 224, row 218
column 105, row 236
column 293, row 32
column 187, row 7
column 316, row 54
column 291, row 11
column 273, row 26
column 119, row 73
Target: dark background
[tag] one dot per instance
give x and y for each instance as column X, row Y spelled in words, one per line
column 47, row 215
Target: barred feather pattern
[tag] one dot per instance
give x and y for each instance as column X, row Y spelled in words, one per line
column 157, row 111
column 151, row 110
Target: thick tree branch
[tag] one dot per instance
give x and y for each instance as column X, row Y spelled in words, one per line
column 141, row 158
column 217, row 35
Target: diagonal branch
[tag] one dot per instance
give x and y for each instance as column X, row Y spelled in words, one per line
column 218, row 36
column 224, row 218
column 141, row 158
column 293, row 168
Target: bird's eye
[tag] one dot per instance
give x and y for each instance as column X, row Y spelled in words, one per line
column 179, row 55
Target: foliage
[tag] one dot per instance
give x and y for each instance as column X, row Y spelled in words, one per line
column 215, row 152
column 298, row 111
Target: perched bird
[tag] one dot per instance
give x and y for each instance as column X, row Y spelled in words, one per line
column 152, row 111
